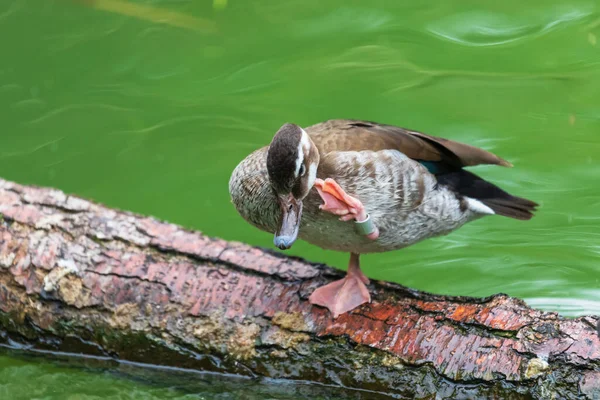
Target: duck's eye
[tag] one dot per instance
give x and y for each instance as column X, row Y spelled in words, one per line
column 302, row 170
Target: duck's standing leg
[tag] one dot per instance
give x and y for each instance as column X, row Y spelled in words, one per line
column 345, row 294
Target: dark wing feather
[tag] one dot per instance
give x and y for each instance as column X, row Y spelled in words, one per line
column 352, row 135
column 468, row 184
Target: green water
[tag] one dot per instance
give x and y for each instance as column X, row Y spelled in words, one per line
column 26, row 377
column 153, row 117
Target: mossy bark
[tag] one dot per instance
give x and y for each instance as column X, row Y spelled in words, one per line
column 78, row 277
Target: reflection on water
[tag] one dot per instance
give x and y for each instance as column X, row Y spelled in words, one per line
column 53, row 377
column 137, row 110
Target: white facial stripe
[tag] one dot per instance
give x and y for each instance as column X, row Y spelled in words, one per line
column 303, row 147
column 312, row 174
column 299, row 159
column 305, row 141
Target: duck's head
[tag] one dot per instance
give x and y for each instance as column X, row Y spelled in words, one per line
column 292, row 161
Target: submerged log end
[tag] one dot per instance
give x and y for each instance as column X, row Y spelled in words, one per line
column 78, row 277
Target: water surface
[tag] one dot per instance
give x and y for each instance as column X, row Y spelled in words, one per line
column 55, row 377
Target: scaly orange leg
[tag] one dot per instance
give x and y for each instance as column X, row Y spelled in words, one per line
column 345, row 294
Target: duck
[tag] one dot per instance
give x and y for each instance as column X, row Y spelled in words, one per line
column 364, row 187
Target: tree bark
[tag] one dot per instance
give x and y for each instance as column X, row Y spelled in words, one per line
column 78, row 277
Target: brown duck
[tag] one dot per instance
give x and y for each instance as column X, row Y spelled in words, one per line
column 398, row 186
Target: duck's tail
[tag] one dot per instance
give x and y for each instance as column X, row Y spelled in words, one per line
column 469, row 185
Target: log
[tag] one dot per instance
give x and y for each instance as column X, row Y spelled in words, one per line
column 78, row 277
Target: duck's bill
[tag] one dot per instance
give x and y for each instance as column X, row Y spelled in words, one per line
column 291, row 212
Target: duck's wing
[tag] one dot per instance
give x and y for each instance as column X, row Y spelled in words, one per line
column 346, row 144
column 353, row 135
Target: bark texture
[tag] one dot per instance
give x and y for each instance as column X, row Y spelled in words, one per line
column 78, row 277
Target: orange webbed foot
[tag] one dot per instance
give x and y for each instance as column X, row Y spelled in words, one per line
column 338, row 202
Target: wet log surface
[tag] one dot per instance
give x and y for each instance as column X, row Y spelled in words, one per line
column 81, row 278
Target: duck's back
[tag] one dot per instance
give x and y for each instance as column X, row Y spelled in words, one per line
column 353, row 135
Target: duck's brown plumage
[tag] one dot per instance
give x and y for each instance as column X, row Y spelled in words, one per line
column 354, row 135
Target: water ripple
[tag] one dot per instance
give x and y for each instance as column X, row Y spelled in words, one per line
column 49, row 143
column 71, row 107
column 12, row 9
column 345, row 20
column 480, row 28
column 383, row 58
column 569, row 306
column 178, row 120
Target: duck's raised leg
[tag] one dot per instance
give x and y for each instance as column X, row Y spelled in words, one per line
column 346, row 294
column 338, row 202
